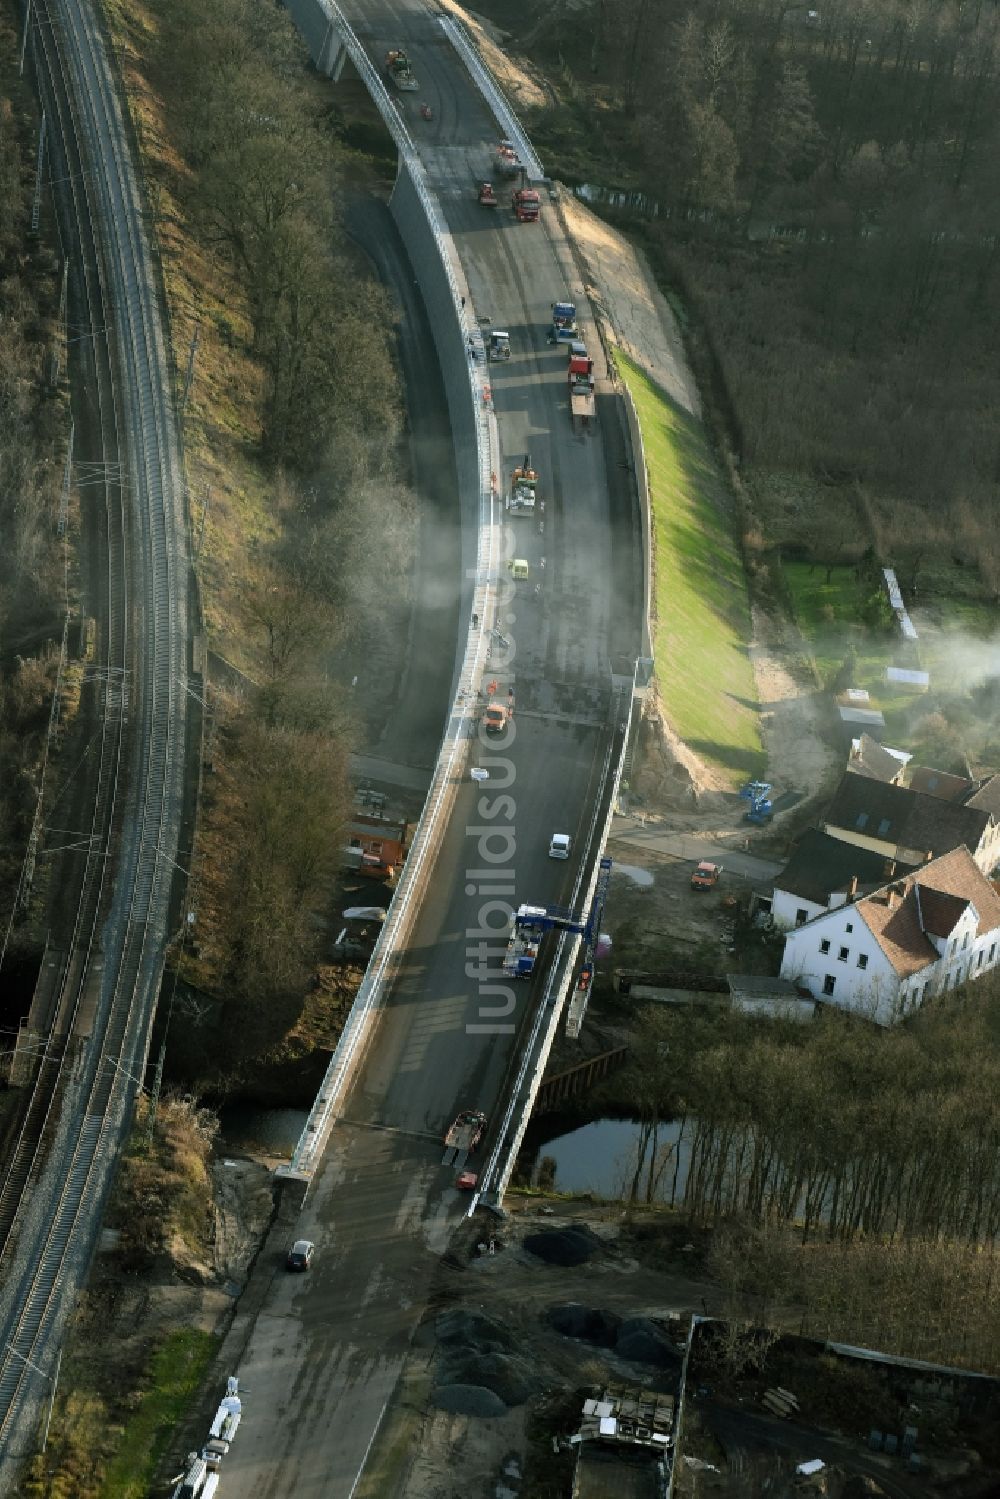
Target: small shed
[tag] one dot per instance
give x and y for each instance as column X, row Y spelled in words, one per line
column 775, row 998
column 867, row 718
column 905, row 680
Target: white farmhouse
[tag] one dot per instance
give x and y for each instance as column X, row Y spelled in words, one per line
column 882, row 955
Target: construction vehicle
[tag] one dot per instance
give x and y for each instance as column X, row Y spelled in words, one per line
column 197, row 1481
column 526, row 205
column 505, row 160
column 499, row 344
column 487, row 195
column 518, row 568
column 521, row 496
column 563, row 329
column 397, row 65
column 529, row 925
column 463, row 1137
column 706, row 875
column 581, row 384
column 229, row 1413
column 758, row 794
column 498, row 716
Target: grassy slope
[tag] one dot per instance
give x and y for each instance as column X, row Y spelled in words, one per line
column 176, row 1371
column 701, row 611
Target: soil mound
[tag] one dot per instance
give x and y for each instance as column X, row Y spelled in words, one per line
column 570, row 1246
column 469, row 1400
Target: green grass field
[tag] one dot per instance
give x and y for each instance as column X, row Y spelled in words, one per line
column 701, row 612
column 176, row 1371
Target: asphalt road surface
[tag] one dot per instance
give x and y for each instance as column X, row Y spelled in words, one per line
column 413, row 733
column 326, row 1349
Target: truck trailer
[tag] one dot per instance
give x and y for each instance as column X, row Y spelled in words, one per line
column 521, row 495
column 463, row 1136
column 397, row 65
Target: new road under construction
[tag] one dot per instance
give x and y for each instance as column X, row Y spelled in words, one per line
column 440, row 1043
column 443, row 1043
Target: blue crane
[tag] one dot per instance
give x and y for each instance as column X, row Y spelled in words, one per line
column 530, row 923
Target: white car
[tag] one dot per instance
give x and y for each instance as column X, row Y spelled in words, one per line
column 560, row 846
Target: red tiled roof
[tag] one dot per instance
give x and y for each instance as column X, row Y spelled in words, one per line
column 899, row 918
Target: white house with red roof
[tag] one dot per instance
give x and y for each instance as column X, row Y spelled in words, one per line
column 885, row 953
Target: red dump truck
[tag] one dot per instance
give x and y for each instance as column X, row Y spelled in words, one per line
column 581, row 385
column 526, row 204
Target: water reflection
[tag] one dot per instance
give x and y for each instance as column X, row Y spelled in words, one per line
column 270, row 1132
column 609, row 1156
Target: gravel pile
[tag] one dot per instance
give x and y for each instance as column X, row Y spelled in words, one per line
column 570, row 1246
column 589, row 1323
column 638, row 1339
column 469, row 1400
column 642, row 1342
column 474, row 1330
column 512, row 1380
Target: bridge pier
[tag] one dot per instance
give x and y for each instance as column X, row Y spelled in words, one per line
column 332, row 54
column 319, row 31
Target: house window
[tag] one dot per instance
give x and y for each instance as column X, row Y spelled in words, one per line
column 355, row 842
column 829, row 983
column 842, row 955
column 801, row 917
column 965, row 942
column 883, row 827
column 982, row 955
column 849, row 927
column 824, row 945
column 862, row 960
column 862, row 821
column 993, row 952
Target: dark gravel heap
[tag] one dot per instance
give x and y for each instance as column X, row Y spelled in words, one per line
column 642, row 1342
column 638, row 1339
column 469, row 1400
column 573, row 1245
column 475, row 1330
column 588, row 1323
column 479, row 1355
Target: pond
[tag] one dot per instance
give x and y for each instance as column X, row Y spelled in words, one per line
column 601, row 1157
column 259, row 1131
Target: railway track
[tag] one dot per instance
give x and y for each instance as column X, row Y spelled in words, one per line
column 86, row 1084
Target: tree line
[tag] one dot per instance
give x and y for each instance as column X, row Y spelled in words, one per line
column 827, row 184
column 295, row 398
column 33, row 428
column 264, row 182
column 849, row 1132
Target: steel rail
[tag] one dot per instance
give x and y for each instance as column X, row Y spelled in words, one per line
column 84, row 935
column 136, row 925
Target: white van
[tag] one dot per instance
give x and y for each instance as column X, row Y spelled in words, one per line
column 560, row 846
